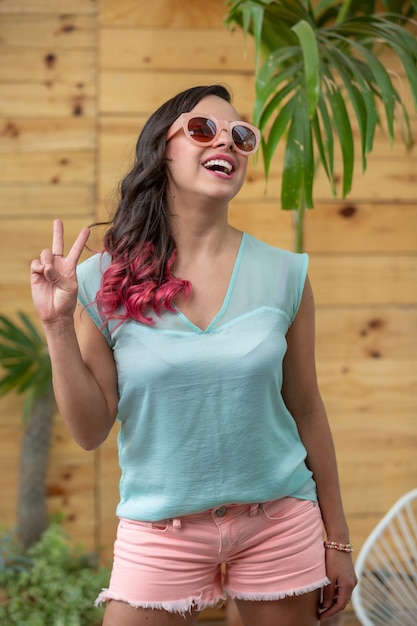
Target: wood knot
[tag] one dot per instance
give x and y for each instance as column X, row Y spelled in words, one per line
column 50, row 60
column 375, row 323
column 54, row 491
column 375, row 354
column 10, row 129
column 67, row 28
column 77, row 105
column 348, row 211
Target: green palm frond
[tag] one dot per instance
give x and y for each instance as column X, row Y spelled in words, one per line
column 321, row 70
column 24, row 359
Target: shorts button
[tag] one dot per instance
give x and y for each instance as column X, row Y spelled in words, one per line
column 221, row 511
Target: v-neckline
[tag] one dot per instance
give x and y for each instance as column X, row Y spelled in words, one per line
column 226, row 299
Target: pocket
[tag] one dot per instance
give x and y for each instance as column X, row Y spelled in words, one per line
column 286, row 508
column 137, row 525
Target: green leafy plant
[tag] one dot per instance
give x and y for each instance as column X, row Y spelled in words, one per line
column 317, row 68
column 53, row 583
column 24, row 357
column 25, row 361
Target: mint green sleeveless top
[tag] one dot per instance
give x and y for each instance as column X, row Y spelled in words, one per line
column 202, row 419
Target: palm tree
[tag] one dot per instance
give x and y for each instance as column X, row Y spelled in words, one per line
column 27, row 370
column 314, row 67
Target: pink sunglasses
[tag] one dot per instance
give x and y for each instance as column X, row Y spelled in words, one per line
column 205, row 130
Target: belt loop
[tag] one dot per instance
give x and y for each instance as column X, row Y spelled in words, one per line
column 254, row 509
column 176, row 523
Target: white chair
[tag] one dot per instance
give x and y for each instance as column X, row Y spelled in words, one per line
column 386, row 567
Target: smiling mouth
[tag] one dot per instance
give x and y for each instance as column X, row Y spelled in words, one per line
column 219, row 165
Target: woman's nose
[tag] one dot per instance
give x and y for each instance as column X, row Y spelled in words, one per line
column 224, row 139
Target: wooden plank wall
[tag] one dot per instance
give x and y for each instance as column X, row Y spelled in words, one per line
column 48, row 153
column 77, row 81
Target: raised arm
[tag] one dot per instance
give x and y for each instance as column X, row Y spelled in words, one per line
column 83, row 369
column 302, row 397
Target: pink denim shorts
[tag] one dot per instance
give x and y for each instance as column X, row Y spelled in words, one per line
column 252, row 551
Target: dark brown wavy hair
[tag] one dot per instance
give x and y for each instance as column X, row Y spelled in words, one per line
column 139, row 238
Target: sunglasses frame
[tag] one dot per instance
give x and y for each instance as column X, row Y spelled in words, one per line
column 184, row 118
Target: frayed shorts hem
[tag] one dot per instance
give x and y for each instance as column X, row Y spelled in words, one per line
column 197, row 604
column 259, row 597
column 176, row 606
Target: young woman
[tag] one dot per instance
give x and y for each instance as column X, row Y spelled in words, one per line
column 199, row 340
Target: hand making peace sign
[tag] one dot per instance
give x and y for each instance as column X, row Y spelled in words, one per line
column 53, row 276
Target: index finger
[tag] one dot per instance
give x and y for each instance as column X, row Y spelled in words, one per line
column 78, row 246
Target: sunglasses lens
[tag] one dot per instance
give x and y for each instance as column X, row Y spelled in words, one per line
column 244, row 138
column 201, row 129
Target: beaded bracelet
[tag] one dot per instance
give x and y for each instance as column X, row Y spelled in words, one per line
column 341, row 547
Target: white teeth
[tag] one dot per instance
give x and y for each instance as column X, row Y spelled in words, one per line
column 219, row 163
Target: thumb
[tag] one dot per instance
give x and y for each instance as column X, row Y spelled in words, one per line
column 328, row 596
